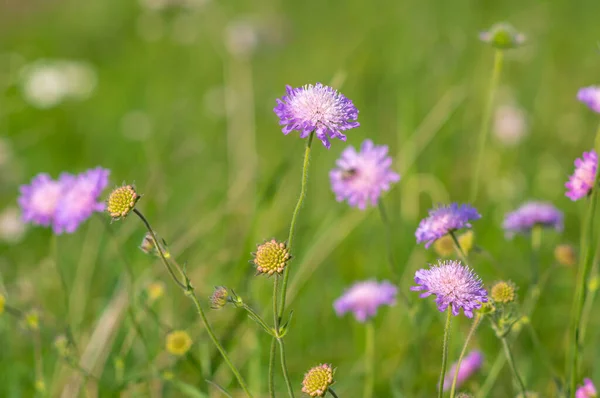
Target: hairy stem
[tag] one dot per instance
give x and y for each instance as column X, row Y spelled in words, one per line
column 513, row 366
column 445, row 353
column 288, row 383
column 369, row 359
column 485, row 122
column 462, row 353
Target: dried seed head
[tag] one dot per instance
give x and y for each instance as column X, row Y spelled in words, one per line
column 503, row 292
column 271, row 257
column 121, row 201
column 317, row 380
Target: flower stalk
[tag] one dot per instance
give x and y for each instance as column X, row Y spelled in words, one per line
column 445, row 352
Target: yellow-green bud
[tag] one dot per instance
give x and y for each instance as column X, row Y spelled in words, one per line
column 121, row 201
column 503, row 292
column 317, row 380
column 271, row 257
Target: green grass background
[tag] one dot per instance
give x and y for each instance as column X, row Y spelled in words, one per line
column 218, row 177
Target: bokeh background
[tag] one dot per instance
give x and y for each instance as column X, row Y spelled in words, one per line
column 177, row 97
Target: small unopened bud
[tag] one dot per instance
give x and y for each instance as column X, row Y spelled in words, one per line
column 219, row 297
column 271, row 257
column 444, row 247
column 2, row 303
column 148, row 246
column 593, row 284
column 178, row 342
column 317, row 380
column 565, row 255
column 466, row 241
column 121, row 201
column 503, row 36
column 503, row 292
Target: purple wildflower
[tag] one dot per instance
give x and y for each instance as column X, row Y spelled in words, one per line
column 362, row 176
column 591, row 97
column 363, row 299
column 587, row 390
column 454, row 285
column 469, row 365
column 80, row 199
column 443, row 220
column 582, row 181
column 316, row 108
column 39, row 199
column 531, row 214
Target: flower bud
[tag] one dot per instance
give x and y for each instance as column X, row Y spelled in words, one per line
column 317, row 380
column 178, row 342
column 219, row 297
column 503, row 292
column 271, row 257
column 565, row 255
column 503, row 36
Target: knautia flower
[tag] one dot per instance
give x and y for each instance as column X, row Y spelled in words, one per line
column 503, row 292
column 469, row 365
column 453, row 284
column 361, row 177
column 271, row 257
column 502, row 36
column 587, row 390
column 178, row 342
column 363, row 299
column 565, row 254
column 582, row 181
column 532, row 214
column 39, row 199
column 121, row 201
column 591, row 97
column 443, row 220
column 317, row 380
column 316, row 108
column 80, row 199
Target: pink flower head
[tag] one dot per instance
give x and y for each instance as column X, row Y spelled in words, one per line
column 39, row 199
column 361, row 177
column 363, row 299
column 581, row 182
column 587, row 390
column 454, row 285
column 469, row 365
column 316, row 108
column 591, row 97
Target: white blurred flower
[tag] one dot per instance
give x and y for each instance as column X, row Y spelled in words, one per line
column 510, row 124
column 12, row 227
column 241, row 37
column 47, row 83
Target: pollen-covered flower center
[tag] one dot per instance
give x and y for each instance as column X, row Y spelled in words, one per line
column 317, row 105
column 121, row 201
column 271, row 257
column 317, row 381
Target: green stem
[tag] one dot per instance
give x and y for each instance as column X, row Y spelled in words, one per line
column 536, row 241
column 272, row 367
column 333, row 394
column 272, row 352
column 485, row 121
column 462, row 353
column 288, row 383
column 390, row 252
column 459, row 249
column 513, row 366
column 445, row 352
column 189, row 291
column 286, row 272
column 585, row 260
column 256, row 318
column 159, row 248
column 369, row 359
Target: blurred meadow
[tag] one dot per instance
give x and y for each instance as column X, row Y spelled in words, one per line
column 177, row 97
